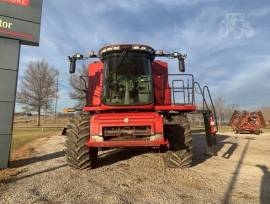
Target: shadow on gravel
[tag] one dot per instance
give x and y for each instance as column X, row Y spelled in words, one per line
column 15, row 177
column 230, row 188
column 116, row 155
column 31, row 160
column 265, row 185
column 231, row 150
column 37, row 173
column 199, row 146
column 199, row 150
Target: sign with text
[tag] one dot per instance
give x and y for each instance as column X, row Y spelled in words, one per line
column 20, row 19
column 19, row 24
column 20, row 30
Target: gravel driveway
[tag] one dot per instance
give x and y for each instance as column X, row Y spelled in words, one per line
column 239, row 174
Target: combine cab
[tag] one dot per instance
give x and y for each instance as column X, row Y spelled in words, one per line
column 132, row 101
column 247, row 122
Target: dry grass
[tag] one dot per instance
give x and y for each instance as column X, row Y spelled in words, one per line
column 220, row 129
column 48, row 121
column 22, row 136
column 26, row 130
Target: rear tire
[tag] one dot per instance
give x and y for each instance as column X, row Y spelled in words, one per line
column 78, row 155
column 180, row 143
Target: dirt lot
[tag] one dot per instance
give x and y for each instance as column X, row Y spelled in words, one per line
column 239, row 174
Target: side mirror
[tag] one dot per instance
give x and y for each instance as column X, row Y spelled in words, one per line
column 72, row 67
column 181, row 64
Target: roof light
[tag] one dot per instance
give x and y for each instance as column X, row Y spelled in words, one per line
column 112, row 48
column 116, row 48
column 136, row 47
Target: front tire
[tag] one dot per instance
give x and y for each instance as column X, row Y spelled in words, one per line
column 78, row 155
column 180, row 143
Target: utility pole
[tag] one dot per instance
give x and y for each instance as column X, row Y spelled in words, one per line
column 55, row 107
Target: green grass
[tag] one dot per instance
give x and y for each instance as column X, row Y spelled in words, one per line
column 22, row 136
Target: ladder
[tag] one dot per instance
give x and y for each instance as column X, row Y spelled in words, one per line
column 208, row 111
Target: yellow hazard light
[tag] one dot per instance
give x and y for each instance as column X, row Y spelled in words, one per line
column 69, row 110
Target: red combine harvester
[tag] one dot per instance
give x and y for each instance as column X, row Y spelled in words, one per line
column 132, row 101
column 247, row 122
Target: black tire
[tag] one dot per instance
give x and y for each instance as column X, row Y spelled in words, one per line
column 78, row 155
column 179, row 136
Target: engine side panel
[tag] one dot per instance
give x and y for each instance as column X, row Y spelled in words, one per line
column 161, row 84
column 95, row 70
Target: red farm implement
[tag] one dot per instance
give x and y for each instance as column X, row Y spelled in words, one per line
column 247, row 122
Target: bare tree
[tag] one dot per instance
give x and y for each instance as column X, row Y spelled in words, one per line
column 78, row 83
column 220, row 107
column 230, row 109
column 38, row 87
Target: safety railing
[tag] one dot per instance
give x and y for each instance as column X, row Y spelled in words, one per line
column 203, row 92
column 175, row 89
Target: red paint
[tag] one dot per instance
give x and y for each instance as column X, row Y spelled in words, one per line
column 247, row 122
column 145, row 115
column 95, row 83
column 176, row 108
column 108, row 108
column 152, row 119
column 24, row 3
column 161, row 84
column 213, row 128
column 127, row 143
column 146, row 107
column 16, row 34
column 101, row 120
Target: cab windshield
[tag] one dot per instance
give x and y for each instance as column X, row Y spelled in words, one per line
column 127, row 79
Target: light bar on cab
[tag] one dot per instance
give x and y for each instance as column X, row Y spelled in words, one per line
column 107, row 49
column 144, row 48
column 126, row 47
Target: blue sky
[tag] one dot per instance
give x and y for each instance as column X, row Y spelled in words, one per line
column 227, row 42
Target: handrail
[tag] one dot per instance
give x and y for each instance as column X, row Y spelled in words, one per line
column 202, row 94
column 212, row 104
column 178, row 88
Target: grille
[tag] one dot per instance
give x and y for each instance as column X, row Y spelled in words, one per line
column 127, row 133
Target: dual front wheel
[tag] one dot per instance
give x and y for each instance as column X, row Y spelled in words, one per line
column 80, row 156
column 179, row 136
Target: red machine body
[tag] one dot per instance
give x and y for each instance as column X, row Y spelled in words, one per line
column 127, row 129
column 121, row 126
column 133, row 101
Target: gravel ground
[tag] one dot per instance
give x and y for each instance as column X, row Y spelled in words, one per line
column 239, row 174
